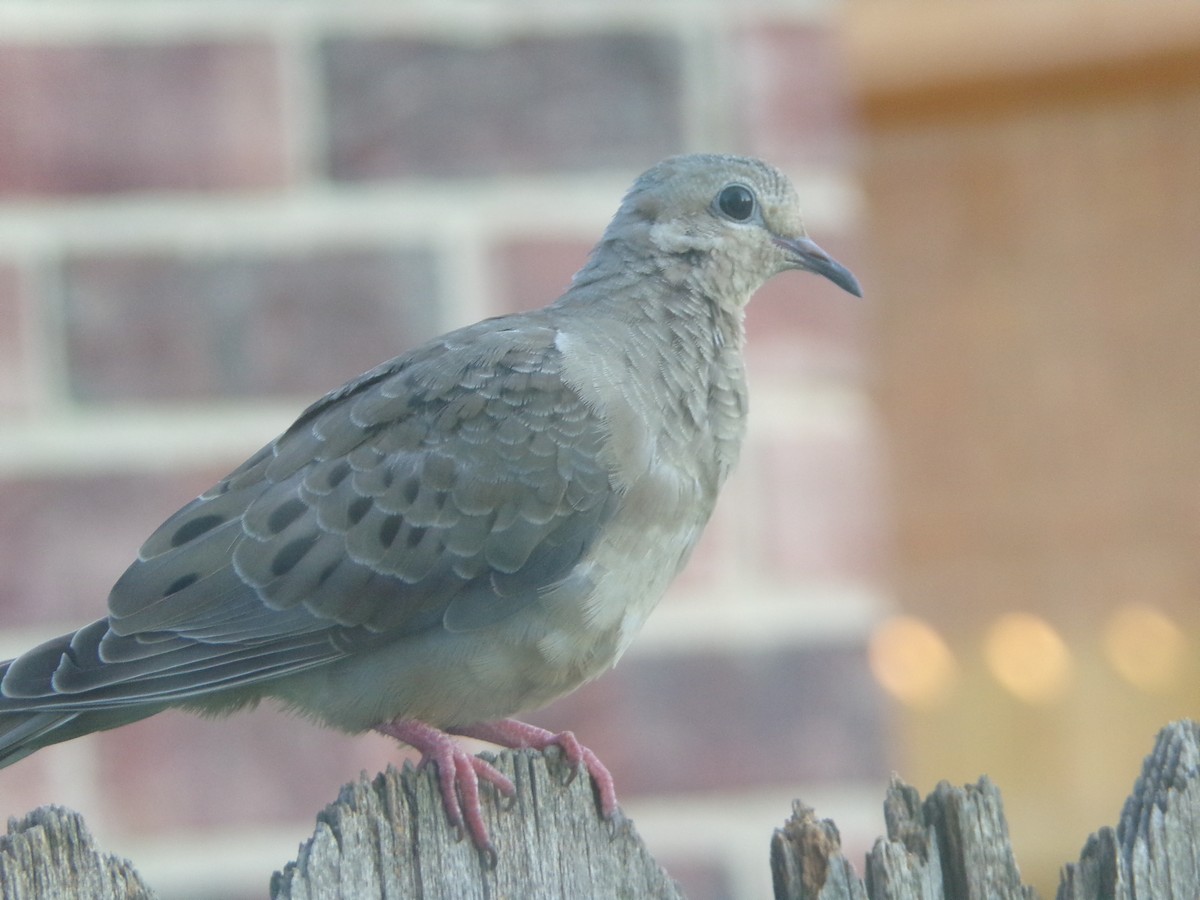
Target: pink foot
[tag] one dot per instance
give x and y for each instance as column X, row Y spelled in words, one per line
column 458, row 777
column 518, row 735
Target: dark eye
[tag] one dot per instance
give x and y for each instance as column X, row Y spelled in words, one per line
column 737, row 202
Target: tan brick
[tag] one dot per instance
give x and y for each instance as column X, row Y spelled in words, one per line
column 1037, row 357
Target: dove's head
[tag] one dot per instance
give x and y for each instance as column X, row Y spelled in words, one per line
column 724, row 224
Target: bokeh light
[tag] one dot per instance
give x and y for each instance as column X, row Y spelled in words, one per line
column 1028, row 657
column 1145, row 647
column 912, row 662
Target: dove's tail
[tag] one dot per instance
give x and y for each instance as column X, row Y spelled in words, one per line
column 29, row 723
column 23, row 733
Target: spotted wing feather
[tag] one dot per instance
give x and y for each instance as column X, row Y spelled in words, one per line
column 446, row 489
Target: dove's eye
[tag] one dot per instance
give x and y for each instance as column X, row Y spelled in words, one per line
column 736, row 201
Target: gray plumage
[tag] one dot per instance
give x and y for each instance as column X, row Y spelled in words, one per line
column 471, row 529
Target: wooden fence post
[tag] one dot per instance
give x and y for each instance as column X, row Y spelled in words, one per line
column 49, row 853
column 955, row 844
column 387, row 837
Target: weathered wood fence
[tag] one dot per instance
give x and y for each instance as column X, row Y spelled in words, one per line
column 387, row 838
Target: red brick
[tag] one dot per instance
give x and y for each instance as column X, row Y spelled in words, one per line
column 27, row 785
column 65, row 540
column 794, row 95
column 797, row 324
column 400, row 107
column 701, row 877
column 110, row 117
column 176, row 770
column 144, row 327
column 717, row 558
column 15, row 376
column 256, row 767
column 821, row 515
column 662, row 724
column 800, row 324
column 707, row 721
column 531, row 272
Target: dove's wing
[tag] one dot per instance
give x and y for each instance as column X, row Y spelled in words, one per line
column 445, row 489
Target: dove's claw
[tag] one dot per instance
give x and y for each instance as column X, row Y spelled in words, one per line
column 517, row 735
column 458, row 774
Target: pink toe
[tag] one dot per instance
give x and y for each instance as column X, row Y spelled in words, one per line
column 458, row 774
column 517, row 735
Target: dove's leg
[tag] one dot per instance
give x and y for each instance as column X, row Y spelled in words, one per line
column 458, row 776
column 517, row 735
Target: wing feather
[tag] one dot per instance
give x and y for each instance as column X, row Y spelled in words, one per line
column 448, row 488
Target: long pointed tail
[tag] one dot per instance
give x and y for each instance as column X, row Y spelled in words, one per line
column 21, row 733
column 26, row 727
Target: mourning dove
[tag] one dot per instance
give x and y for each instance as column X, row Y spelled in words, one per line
column 468, row 531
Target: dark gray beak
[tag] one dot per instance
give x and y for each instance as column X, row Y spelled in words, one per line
column 805, row 254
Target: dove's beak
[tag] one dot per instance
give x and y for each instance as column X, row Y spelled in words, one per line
column 805, row 254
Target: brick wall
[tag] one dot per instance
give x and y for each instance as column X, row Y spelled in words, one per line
column 212, row 214
column 1032, row 186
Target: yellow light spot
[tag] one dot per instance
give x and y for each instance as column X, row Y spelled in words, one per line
column 1145, row 647
column 1027, row 656
column 911, row 662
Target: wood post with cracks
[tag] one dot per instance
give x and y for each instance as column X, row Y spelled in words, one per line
column 388, row 837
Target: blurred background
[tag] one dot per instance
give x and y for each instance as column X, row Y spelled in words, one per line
column 963, row 536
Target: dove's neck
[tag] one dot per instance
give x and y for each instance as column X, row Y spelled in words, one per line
column 658, row 291
column 665, row 360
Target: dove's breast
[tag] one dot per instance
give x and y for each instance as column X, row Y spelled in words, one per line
column 674, row 423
